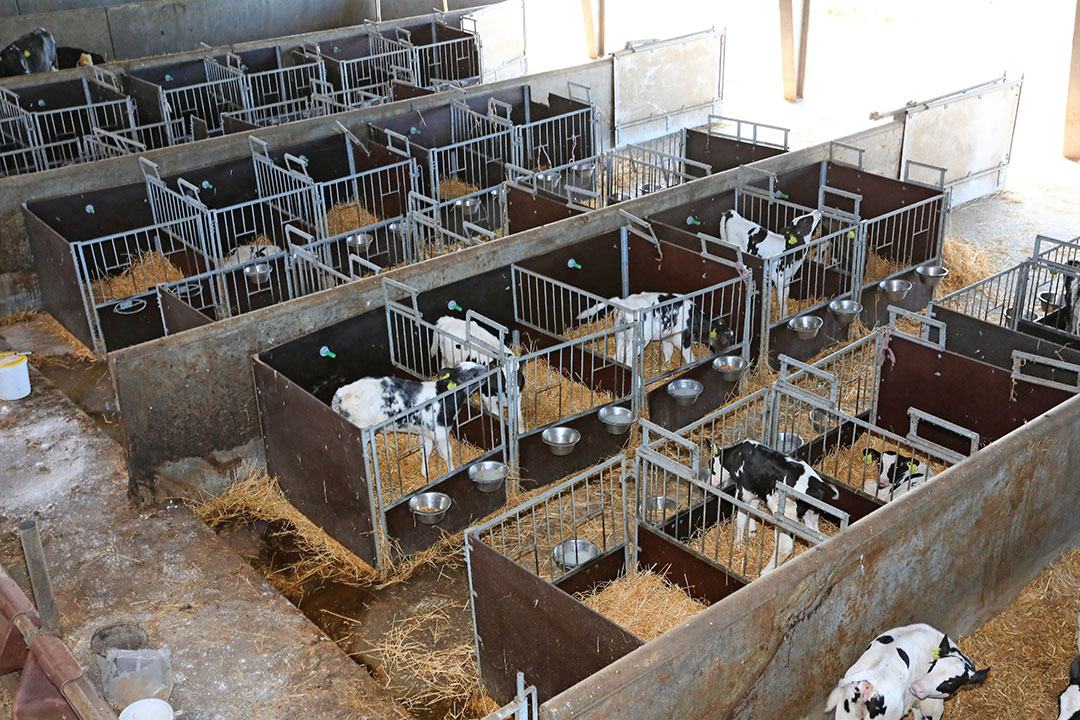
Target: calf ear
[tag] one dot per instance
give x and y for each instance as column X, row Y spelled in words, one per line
column 1074, row 671
column 835, row 697
column 978, row 676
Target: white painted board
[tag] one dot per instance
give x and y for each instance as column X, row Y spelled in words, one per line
column 501, row 28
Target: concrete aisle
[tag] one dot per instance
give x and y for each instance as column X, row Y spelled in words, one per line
column 239, row 649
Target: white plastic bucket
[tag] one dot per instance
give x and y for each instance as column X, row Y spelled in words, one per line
column 148, row 709
column 14, row 376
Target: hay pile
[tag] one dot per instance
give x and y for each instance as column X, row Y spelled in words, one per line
column 794, row 306
column 879, row 267
column 147, row 270
column 653, row 357
column 400, row 476
column 643, row 602
column 78, row 351
column 718, row 543
column 967, row 264
column 254, row 495
column 849, row 467
column 348, row 216
column 543, row 405
column 1029, row 646
column 451, row 188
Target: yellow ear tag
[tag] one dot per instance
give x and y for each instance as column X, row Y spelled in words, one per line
column 712, row 333
column 26, row 53
column 937, row 653
column 792, row 240
column 715, row 451
column 869, row 459
column 912, row 467
column 444, row 377
column 451, row 385
column 851, row 233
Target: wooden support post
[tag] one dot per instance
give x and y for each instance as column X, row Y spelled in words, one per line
column 804, row 34
column 601, row 31
column 787, row 49
column 590, row 29
column 1072, row 104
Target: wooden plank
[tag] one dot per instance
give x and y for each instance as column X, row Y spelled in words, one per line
column 1072, row 104
column 590, row 28
column 804, row 34
column 787, row 49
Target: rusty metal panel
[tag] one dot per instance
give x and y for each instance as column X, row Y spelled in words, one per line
column 525, row 624
column 62, row 293
column 966, row 392
column 946, row 554
column 178, row 315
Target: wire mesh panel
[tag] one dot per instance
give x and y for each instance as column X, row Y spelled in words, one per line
column 455, row 60
column 325, row 100
column 318, row 265
column 223, row 89
column 684, row 493
column 18, row 144
column 115, row 270
column 588, row 508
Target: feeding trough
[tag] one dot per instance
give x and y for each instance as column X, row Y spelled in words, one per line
column 895, row 290
column 470, row 207
column 561, row 440
column 430, row 507
column 931, row 275
column 488, row 476
column 685, row 392
column 189, row 291
column 821, row 419
column 789, row 442
column 657, row 508
column 845, row 311
column 131, row 306
column 570, row 554
column 730, row 367
column 805, row 327
column 257, row 274
column 616, row 420
column 1050, row 302
column 358, row 243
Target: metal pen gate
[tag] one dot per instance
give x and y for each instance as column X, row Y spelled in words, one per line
column 224, row 90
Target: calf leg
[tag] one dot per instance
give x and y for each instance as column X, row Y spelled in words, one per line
column 442, row 446
column 783, row 549
column 929, row 709
column 687, row 349
column 428, row 442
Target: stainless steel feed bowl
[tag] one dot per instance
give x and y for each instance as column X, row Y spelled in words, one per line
column 470, row 207
column 821, row 419
column 561, row 440
column 571, row 554
column 1049, row 302
column 805, row 327
column 895, row 290
column 359, row 242
column 685, row 392
column 257, row 274
column 189, row 291
column 617, row 197
column 616, row 420
column 931, row 275
column 730, row 367
column 430, row 507
column 488, row 476
column 658, row 508
column 789, row 442
column 845, row 311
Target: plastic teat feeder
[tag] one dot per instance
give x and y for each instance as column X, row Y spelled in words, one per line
column 89, row 209
column 327, row 352
column 572, row 263
column 303, row 159
column 206, row 185
column 414, row 131
column 454, row 306
column 782, row 195
column 691, row 220
column 168, row 77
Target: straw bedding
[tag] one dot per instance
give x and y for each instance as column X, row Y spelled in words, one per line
column 718, row 542
column 451, row 188
column 879, row 267
column 78, row 351
column 643, row 602
column 1029, row 646
column 653, row 357
column 147, row 270
column 400, row 476
column 848, row 464
column 542, row 405
column 348, row 216
column 967, row 264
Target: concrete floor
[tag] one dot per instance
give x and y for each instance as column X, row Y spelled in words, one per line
column 239, row 649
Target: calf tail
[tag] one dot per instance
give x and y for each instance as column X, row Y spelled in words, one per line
column 597, row 309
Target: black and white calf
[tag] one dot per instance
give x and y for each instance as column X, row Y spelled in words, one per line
column 897, row 473
column 34, row 52
column 1072, row 301
column 756, row 470
column 69, row 57
column 750, row 237
column 373, row 400
column 675, row 324
column 450, row 347
column 949, row 671
column 246, row 253
column 1069, row 699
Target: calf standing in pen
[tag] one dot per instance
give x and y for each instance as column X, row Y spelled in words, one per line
column 373, row 400
column 913, row 669
column 750, row 237
column 898, row 473
column 678, row 323
column 34, row 52
column 755, row 471
column 450, row 346
column 1069, row 699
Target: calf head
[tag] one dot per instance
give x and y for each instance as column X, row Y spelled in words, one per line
column 717, row 334
column 460, row 374
column 800, row 230
column 949, row 671
column 893, row 471
column 13, row 61
column 858, row 700
column 1069, row 699
column 821, row 490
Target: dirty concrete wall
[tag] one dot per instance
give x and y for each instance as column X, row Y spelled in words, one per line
column 952, row 553
column 15, row 257
column 86, row 28
column 164, row 387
